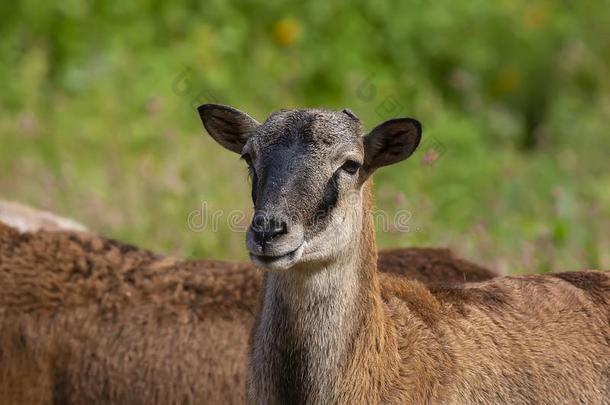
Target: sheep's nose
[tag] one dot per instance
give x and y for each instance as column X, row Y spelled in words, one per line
column 266, row 227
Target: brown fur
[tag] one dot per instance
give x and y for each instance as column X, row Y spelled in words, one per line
column 89, row 320
column 509, row 340
column 332, row 330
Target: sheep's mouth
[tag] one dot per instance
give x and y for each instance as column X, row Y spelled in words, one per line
column 278, row 262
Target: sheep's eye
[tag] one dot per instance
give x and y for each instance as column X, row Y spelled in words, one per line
column 350, row 166
column 246, row 157
column 251, row 174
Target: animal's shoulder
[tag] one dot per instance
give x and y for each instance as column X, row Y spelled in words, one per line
column 522, row 290
column 552, row 293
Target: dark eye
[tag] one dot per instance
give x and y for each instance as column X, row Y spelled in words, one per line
column 251, row 174
column 350, row 166
column 246, row 157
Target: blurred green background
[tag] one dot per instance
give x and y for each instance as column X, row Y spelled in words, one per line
column 98, row 120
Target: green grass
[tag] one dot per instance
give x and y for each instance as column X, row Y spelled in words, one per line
column 97, row 118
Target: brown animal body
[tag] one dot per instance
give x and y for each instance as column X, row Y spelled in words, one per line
column 510, row 340
column 88, row 320
column 333, row 330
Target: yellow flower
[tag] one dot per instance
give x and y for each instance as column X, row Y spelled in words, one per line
column 286, row 31
column 535, row 15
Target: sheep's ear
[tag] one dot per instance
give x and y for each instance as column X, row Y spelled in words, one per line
column 229, row 127
column 391, row 142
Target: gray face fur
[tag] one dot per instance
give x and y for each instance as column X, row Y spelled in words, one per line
column 307, row 168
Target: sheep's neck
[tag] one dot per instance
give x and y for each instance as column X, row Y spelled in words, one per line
column 314, row 326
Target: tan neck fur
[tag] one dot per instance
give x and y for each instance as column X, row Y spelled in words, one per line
column 314, row 321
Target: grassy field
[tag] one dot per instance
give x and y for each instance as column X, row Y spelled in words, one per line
column 98, row 120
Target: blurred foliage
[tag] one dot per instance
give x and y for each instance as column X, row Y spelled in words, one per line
column 97, row 115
